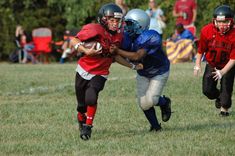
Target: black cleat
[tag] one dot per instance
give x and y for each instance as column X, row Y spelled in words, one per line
column 85, row 132
column 224, row 114
column 80, row 123
column 157, row 129
column 217, row 103
column 166, row 110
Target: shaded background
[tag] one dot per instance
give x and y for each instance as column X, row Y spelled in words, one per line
column 72, row 14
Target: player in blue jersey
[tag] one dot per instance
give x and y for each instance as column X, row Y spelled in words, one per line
column 145, row 46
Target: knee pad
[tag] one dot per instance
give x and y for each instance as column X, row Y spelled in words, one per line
column 210, row 95
column 145, row 104
column 91, row 96
column 152, row 99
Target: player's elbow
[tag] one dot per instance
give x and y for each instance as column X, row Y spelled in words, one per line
column 136, row 57
column 139, row 54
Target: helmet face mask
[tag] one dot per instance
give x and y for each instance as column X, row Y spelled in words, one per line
column 223, row 25
column 110, row 14
column 223, row 18
column 132, row 27
column 136, row 21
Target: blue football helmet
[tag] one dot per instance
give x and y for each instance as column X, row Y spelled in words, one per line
column 136, row 21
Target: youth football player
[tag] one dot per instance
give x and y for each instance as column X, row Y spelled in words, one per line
column 93, row 68
column 217, row 42
column 145, row 46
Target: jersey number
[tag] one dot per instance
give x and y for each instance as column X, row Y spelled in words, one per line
column 222, row 58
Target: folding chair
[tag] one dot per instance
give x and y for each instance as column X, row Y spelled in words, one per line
column 42, row 38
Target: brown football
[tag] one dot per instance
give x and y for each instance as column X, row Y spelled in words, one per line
column 89, row 45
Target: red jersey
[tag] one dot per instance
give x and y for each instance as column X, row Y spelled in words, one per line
column 187, row 8
column 217, row 48
column 99, row 64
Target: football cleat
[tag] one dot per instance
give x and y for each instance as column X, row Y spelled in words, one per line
column 157, row 129
column 80, row 123
column 224, row 114
column 85, row 132
column 217, row 103
column 166, row 110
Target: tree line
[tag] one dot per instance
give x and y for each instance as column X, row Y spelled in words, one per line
column 72, row 14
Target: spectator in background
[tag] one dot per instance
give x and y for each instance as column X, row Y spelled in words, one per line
column 66, row 47
column 18, row 33
column 122, row 5
column 185, row 12
column 24, row 40
column 181, row 33
column 157, row 18
column 179, row 47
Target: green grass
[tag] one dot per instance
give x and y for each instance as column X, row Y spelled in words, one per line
column 38, row 115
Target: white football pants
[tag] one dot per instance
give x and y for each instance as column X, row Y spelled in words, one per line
column 150, row 89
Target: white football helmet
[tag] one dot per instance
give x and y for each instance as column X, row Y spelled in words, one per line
column 136, row 21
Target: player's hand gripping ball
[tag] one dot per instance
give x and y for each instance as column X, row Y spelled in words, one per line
column 91, row 44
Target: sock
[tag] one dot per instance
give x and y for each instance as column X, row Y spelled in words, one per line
column 81, row 116
column 152, row 118
column 91, row 109
column 162, row 101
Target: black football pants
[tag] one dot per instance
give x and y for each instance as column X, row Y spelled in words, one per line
column 87, row 91
column 209, row 86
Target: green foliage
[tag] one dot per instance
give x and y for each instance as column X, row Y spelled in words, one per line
column 70, row 14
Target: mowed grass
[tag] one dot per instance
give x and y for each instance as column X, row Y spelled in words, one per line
column 38, row 115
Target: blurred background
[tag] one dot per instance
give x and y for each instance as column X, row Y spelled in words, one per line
column 72, row 14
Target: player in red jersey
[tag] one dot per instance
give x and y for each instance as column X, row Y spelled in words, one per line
column 217, row 42
column 185, row 12
column 93, row 67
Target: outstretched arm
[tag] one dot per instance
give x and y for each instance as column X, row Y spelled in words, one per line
column 135, row 56
column 119, row 59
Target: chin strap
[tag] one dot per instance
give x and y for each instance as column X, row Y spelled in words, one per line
column 112, row 32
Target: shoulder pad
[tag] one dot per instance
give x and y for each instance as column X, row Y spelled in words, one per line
column 149, row 37
column 89, row 31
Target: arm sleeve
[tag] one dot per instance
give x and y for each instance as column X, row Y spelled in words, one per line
column 232, row 54
column 161, row 13
column 202, row 47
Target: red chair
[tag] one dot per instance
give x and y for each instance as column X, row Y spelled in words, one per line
column 42, row 38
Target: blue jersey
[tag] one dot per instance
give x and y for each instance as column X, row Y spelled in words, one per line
column 186, row 34
column 156, row 61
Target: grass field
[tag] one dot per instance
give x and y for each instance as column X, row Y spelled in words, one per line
column 38, row 116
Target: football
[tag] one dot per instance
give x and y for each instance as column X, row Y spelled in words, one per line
column 89, row 45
